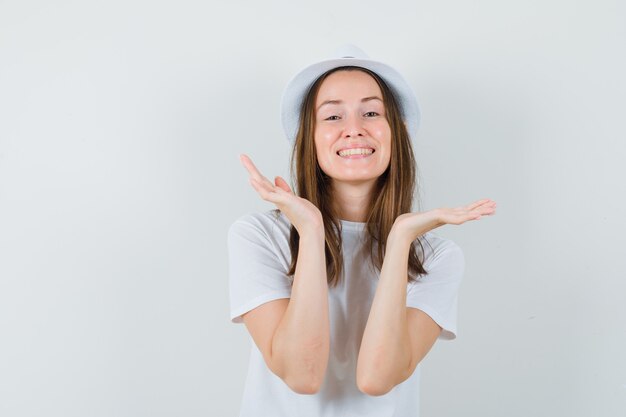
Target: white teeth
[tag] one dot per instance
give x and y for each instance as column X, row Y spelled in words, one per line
column 356, row 151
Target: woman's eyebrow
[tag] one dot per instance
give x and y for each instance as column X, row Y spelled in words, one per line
column 329, row 102
column 363, row 100
column 371, row 98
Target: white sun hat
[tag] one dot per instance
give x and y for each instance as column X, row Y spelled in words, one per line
column 347, row 55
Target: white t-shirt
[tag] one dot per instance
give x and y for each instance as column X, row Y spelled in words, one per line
column 259, row 258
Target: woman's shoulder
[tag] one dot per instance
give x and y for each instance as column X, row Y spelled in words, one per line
column 266, row 232
column 268, row 222
column 435, row 248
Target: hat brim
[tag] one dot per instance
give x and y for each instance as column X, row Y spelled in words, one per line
column 298, row 87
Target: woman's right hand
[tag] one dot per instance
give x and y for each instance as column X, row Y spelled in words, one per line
column 302, row 214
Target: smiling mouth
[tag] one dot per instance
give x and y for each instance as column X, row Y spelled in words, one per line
column 355, row 152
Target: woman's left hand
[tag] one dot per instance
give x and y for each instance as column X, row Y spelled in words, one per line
column 412, row 225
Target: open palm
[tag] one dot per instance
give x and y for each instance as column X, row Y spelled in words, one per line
column 302, row 214
column 414, row 225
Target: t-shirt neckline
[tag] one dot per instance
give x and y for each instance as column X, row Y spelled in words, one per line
column 348, row 225
column 345, row 224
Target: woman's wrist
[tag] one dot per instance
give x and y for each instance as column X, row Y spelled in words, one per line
column 399, row 236
column 407, row 227
column 313, row 231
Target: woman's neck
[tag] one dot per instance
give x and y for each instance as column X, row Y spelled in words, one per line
column 352, row 201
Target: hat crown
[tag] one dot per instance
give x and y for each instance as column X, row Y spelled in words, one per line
column 349, row 51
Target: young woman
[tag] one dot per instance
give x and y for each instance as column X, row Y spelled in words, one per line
column 343, row 288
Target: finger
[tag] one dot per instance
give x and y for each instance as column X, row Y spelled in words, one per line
column 475, row 204
column 484, row 201
column 269, row 193
column 487, row 208
column 252, row 169
column 262, row 186
column 280, row 182
column 267, row 187
column 249, row 165
column 461, row 215
column 484, row 210
column 478, row 212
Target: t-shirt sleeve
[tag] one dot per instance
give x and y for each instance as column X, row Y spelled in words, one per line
column 256, row 274
column 436, row 293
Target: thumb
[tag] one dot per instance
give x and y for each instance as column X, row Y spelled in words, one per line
column 282, row 184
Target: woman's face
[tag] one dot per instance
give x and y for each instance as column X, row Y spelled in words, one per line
column 352, row 135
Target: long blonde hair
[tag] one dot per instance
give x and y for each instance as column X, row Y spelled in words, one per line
column 391, row 197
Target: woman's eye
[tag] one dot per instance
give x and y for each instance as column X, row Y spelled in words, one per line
column 332, row 118
column 371, row 114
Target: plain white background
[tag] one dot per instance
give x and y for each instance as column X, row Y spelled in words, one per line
column 120, row 128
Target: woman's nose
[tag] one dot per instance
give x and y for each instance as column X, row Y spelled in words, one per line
column 353, row 127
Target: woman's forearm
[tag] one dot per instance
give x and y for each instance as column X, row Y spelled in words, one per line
column 385, row 353
column 301, row 343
